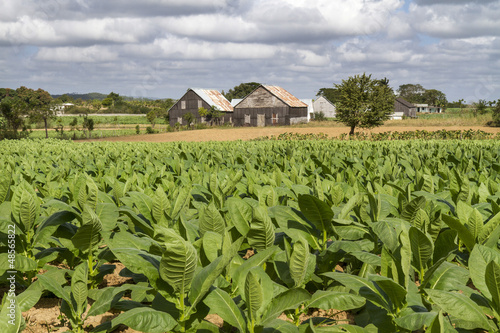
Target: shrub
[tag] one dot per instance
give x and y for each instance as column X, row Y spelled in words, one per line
column 320, row 116
column 137, row 129
column 496, row 114
column 150, row 130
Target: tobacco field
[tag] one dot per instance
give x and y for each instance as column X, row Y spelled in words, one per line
column 401, row 235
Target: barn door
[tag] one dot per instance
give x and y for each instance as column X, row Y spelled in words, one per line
column 261, row 120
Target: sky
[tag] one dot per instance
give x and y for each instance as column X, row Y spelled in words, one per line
column 160, row 48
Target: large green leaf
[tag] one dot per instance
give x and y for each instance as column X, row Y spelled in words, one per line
column 416, row 320
column 288, row 300
column 475, row 223
column 395, row 292
column 463, row 233
column 361, row 286
column 387, row 233
column 28, row 211
column 240, row 213
column 337, row 300
column 316, row 211
column 256, row 260
column 180, row 201
column 412, row 208
column 47, row 227
column 440, row 324
column 10, row 316
column 107, row 297
column 460, row 306
column 79, row 290
column 299, row 262
column 489, row 228
column 88, row 235
column 28, row 299
column 160, row 205
column 253, row 295
column 5, row 182
column 146, row 320
column 293, row 224
column 178, row 262
column 261, row 235
column 493, row 283
column 54, row 286
column 421, row 249
column 212, row 244
column 448, row 276
column 204, row 279
column 479, row 258
column 222, row 304
column 142, row 202
column 211, row 220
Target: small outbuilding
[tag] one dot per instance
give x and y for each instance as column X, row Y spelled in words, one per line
column 426, row 108
column 404, row 108
column 194, row 99
column 269, row 106
column 321, row 104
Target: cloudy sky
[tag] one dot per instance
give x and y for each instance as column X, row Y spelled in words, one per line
column 159, row 48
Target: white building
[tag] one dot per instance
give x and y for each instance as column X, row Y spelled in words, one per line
column 321, row 104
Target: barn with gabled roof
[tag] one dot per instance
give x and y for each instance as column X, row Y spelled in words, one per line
column 194, row 99
column 269, row 106
column 404, row 107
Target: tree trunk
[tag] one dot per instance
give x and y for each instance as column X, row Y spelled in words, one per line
column 352, row 130
column 46, row 130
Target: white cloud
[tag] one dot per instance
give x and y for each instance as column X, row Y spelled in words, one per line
column 90, row 54
column 159, row 47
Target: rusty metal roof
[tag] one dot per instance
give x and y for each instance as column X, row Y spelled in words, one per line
column 285, row 96
column 214, row 98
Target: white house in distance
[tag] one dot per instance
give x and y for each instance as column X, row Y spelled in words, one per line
column 321, row 104
column 426, row 108
column 59, row 109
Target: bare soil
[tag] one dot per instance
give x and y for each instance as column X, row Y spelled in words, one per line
column 249, row 133
column 46, row 316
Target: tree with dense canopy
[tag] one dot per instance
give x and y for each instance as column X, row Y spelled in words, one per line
column 39, row 104
column 364, row 102
column 415, row 93
column 241, row 91
column 331, row 94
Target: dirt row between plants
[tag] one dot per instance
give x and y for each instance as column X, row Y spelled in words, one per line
column 249, row 133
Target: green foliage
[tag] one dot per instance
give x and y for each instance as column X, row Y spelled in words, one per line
column 151, row 117
column 189, row 118
column 331, row 94
column 416, row 94
column 363, row 102
column 402, row 234
column 319, row 116
column 496, row 114
column 241, row 91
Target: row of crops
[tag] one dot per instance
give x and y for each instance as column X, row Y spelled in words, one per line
column 403, row 236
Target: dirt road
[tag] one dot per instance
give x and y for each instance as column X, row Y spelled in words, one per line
column 248, row 133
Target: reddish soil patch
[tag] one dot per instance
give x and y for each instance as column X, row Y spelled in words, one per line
column 249, row 133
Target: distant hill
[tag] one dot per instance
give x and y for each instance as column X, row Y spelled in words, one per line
column 98, row 96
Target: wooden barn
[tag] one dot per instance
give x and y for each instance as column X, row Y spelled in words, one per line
column 321, row 104
column 269, row 106
column 194, row 99
column 407, row 109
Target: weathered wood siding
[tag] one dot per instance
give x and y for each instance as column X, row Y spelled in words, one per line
column 262, row 102
column 192, row 101
column 407, row 111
